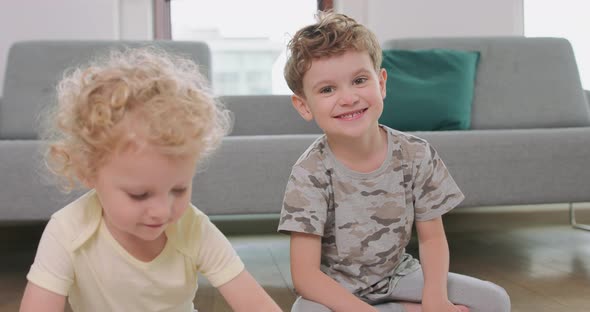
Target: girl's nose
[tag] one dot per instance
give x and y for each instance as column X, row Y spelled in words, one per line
column 161, row 208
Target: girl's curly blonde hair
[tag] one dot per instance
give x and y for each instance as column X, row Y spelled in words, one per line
column 135, row 96
column 332, row 35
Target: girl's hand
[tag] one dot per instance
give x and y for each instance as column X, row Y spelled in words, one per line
column 244, row 294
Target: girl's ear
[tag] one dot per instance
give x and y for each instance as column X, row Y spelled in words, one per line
column 301, row 106
column 87, row 181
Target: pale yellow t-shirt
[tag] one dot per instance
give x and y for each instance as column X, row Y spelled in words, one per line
column 79, row 258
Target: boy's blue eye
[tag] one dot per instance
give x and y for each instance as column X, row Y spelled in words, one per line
column 326, row 90
column 360, row 80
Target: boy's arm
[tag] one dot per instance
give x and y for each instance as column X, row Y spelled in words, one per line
column 243, row 293
column 434, row 255
column 312, row 284
column 37, row 299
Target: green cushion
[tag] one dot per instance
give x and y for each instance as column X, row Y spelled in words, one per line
column 429, row 89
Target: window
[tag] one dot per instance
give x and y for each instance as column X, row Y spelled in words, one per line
column 567, row 19
column 247, row 39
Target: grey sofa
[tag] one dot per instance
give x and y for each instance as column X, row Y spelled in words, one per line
column 529, row 142
column 530, row 136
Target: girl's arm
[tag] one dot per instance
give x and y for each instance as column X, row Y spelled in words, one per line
column 243, row 293
column 36, row 299
column 312, row 284
column 434, row 255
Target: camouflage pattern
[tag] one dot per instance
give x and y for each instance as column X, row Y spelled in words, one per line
column 365, row 219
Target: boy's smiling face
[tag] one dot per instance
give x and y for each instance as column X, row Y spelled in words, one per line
column 343, row 94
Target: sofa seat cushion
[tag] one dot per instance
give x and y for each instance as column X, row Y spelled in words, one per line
column 429, row 89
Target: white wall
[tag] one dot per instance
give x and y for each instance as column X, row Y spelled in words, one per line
column 72, row 19
column 436, row 18
column 136, row 19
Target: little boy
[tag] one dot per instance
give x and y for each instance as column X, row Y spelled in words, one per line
column 355, row 193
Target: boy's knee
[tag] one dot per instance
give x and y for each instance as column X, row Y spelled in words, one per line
column 304, row 305
column 501, row 297
column 496, row 299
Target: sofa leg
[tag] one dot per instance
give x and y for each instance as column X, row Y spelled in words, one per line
column 573, row 222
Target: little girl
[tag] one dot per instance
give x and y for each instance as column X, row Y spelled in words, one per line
column 132, row 129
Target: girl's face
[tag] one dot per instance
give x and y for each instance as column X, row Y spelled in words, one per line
column 143, row 191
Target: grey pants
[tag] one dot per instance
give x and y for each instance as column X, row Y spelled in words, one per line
column 477, row 295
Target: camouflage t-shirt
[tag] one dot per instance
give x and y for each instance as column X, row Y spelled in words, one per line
column 365, row 219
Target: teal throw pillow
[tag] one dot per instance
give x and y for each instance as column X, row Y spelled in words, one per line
column 429, row 89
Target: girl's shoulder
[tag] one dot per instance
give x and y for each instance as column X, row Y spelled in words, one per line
column 186, row 233
column 78, row 221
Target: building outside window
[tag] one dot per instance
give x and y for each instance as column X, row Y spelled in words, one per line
column 247, row 39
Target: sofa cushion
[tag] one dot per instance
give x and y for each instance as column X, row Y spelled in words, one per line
column 429, row 89
column 516, row 166
column 521, row 82
column 34, row 68
column 266, row 115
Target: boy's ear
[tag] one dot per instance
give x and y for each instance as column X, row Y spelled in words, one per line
column 383, row 82
column 301, row 106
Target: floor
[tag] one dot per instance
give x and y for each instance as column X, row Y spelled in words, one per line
column 534, row 254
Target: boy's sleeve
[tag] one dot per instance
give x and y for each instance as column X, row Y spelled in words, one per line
column 305, row 203
column 52, row 268
column 434, row 190
column 216, row 258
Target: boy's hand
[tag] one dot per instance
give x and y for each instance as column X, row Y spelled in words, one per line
column 442, row 306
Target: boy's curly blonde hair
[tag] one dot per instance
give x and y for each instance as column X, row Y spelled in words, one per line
column 332, row 35
column 135, row 96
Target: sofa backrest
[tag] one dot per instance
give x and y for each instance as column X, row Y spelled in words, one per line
column 266, row 115
column 521, row 82
column 33, row 69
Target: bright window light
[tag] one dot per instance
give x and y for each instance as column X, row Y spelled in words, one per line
column 567, row 19
column 247, row 39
